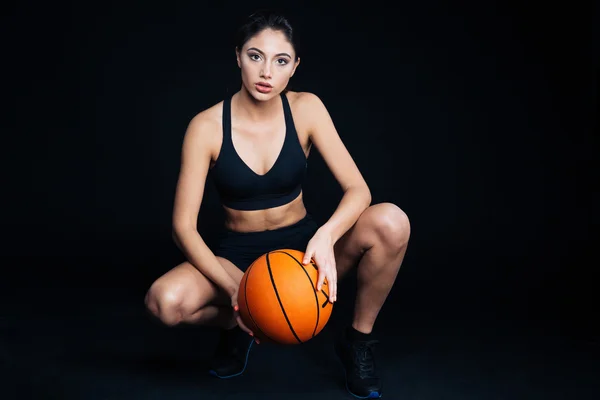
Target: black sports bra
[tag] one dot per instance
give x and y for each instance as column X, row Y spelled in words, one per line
column 241, row 188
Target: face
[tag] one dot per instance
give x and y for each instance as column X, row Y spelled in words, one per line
column 267, row 62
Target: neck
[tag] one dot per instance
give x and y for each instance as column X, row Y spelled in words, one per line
column 255, row 110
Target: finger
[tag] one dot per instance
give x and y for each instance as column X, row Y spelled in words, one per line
column 334, row 286
column 334, row 282
column 239, row 320
column 307, row 256
column 246, row 329
column 243, row 326
column 322, row 274
column 331, row 287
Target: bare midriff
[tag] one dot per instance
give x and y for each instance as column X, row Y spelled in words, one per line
column 262, row 220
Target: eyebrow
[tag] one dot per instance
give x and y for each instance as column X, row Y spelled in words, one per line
column 276, row 55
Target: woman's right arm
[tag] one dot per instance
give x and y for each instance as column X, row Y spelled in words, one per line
column 195, row 161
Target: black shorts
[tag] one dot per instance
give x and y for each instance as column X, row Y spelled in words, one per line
column 242, row 248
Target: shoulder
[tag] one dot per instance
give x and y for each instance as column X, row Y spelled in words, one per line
column 305, row 101
column 311, row 110
column 206, row 128
column 308, row 108
column 207, row 120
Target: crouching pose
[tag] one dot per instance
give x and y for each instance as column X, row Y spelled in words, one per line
column 255, row 144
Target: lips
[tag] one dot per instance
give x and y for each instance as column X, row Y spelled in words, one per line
column 263, row 87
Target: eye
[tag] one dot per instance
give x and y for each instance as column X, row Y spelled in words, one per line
column 284, row 61
column 254, row 57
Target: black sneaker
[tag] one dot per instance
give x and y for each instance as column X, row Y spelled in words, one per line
column 231, row 356
column 362, row 379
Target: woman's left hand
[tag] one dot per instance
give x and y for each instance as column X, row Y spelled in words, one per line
column 320, row 250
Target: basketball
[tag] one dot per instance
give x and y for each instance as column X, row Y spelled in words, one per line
column 278, row 299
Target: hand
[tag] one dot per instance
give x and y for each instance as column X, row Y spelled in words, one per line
column 320, row 249
column 238, row 318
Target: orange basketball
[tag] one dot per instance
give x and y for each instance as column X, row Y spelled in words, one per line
column 278, row 299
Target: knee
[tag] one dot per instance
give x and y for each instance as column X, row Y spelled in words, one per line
column 391, row 226
column 165, row 303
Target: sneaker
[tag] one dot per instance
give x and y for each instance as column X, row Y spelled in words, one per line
column 231, row 356
column 362, row 379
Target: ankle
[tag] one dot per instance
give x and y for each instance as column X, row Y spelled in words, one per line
column 354, row 335
column 362, row 328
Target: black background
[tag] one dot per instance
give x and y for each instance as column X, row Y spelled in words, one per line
column 475, row 118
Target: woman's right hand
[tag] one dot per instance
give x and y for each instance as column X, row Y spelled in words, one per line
column 238, row 318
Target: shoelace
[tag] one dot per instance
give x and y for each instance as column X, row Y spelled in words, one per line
column 363, row 358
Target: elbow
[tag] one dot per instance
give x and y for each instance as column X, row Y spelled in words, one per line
column 175, row 231
column 175, row 238
column 180, row 230
column 368, row 197
column 363, row 193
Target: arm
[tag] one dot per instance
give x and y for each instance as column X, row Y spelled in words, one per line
column 195, row 161
column 357, row 196
column 355, row 200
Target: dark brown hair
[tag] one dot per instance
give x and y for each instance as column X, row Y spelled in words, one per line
column 261, row 20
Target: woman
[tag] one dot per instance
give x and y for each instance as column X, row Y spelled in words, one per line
column 255, row 145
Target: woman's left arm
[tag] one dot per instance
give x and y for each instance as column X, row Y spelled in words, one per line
column 356, row 197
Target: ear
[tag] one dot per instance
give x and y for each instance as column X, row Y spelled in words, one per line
column 237, row 56
column 295, row 66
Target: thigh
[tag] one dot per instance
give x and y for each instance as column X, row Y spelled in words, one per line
column 187, row 286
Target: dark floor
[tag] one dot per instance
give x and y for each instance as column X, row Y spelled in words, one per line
column 109, row 349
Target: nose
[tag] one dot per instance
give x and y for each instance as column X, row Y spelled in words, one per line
column 266, row 72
